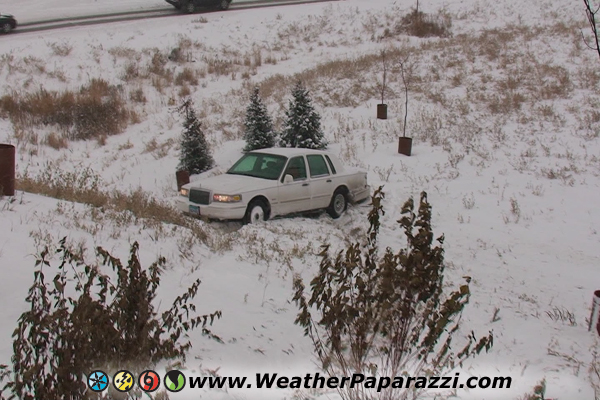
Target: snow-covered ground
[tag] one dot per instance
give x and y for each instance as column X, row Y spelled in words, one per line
column 506, row 143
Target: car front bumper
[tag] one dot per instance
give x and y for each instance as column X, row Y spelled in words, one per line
column 223, row 211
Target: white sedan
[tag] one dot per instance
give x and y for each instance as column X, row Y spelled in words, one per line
column 276, row 181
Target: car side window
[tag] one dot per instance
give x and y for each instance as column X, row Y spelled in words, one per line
column 317, row 165
column 296, row 168
column 333, row 171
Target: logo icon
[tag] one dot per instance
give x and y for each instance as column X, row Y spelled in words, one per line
column 123, row 381
column 174, row 381
column 149, row 381
column 97, row 381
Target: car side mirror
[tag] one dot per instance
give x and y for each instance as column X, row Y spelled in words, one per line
column 288, row 179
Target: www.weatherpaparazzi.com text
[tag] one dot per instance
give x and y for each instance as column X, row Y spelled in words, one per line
column 317, row 381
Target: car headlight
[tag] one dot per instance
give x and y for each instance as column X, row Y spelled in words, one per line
column 226, row 198
column 184, row 192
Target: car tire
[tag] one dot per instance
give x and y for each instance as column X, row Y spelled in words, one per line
column 338, row 205
column 188, row 6
column 256, row 212
column 224, row 4
column 6, row 28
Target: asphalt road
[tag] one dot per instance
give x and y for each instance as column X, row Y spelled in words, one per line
column 167, row 11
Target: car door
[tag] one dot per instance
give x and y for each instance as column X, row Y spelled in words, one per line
column 294, row 196
column 321, row 185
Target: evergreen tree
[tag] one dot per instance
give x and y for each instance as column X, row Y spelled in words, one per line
column 303, row 125
column 258, row 125
column 195, row 154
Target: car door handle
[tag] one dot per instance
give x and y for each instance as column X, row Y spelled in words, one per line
column 305, row 184
column 328, row 180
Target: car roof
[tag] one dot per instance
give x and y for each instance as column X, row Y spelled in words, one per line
column 288, row 151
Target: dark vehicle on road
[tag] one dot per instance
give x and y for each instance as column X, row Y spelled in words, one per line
column 190, row 6
column 7, row 23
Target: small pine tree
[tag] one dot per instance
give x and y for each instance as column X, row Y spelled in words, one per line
column 195, row 154
column 258, row 125
column 303, row 125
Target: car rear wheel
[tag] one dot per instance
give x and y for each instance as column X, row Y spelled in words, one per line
column 188, row 6
column 338, row 204
column 256, row 212
column 224, row 5
column 6, row 28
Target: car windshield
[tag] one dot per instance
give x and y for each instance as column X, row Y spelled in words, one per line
column 259, row 165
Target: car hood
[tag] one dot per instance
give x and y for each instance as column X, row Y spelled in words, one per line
column 232, row 184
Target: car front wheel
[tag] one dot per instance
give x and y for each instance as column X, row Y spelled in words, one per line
column 256, row 212
column 224, row 5
column 338, row 204
column 6, row 28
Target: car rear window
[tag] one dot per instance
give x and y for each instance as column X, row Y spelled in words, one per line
column 317, row 165
column 333, row 171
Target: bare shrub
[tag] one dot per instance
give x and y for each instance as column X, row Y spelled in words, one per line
column 131, row 71
column 331, row 78
column 159, row 150
column 83, row 186
column 126, row 146
column 176, row 55
column 138, row 96
column 593, row 371
column 555, row 82
column 270, row 59
column 56, row 141
column 184, row 91
column 219, row 67
column 386, row 315
column 505, row 103
column 97, row 109
column 157, row 63
column 61, row 49
column 159, row 84
column 57, row 73
column 186, row 77
column 468, row 201
column 515, row 209
column 564, row 174
column 124, row 52
column 87, row 320
column 420, row 24
column 39, row 108
column 591, row 14
column 134, row 117
column 100, row 109
column 562, row 315
column 539, row 392
column 38, row 64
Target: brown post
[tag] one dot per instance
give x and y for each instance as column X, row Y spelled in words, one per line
column 183, row 177
column 7, row 169
column 405, row 145
column 595, row 317
column 381, row 111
